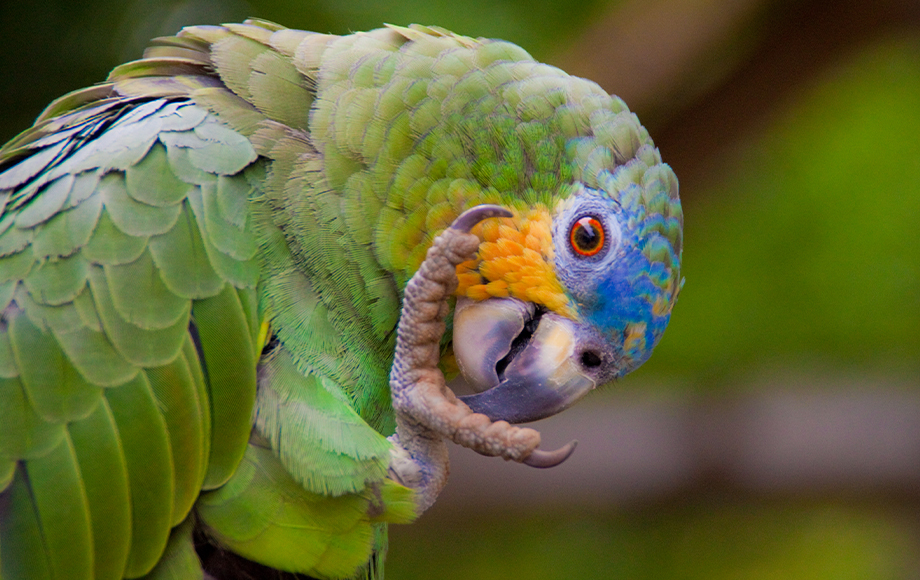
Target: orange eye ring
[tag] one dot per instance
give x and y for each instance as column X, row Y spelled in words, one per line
column 587, row 236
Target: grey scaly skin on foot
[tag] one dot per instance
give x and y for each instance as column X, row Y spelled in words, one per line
column 427, row 411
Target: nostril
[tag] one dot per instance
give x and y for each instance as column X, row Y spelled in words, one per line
column 590, row 360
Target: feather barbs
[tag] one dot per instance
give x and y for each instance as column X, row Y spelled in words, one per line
column 515, row 260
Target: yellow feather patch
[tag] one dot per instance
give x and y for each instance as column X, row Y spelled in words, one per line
column 263, row 336
column 515, row 259
column 662, row 305
column 635, row 337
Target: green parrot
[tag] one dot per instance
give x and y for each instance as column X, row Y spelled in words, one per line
column 236, row 276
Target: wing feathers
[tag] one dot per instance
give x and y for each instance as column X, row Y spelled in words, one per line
column 101, row 458
column 132, row 216
column 106, row 410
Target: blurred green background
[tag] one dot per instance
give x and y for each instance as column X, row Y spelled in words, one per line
column 775, row 433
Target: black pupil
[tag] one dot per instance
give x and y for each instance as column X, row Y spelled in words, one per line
column 586, row 236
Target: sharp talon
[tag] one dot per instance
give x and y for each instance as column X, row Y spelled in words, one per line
column 474, row 215
column 544, row 459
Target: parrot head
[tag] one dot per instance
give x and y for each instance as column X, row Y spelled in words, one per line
column 566, row 298
column 576, row 287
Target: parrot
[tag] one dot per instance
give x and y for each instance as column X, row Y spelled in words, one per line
column 241, row 278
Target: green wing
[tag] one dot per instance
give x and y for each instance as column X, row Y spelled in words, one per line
column 113, row 270
column 141, row 250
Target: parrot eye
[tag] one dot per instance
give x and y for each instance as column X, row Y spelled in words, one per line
column 587, row 236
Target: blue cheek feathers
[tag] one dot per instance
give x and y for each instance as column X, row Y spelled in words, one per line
column 624, row 309
column 626, row 295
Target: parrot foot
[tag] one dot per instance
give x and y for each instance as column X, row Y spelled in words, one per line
column 427, row 411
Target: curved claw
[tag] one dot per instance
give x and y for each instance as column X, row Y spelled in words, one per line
column 474, row 215
column 427, row 411
column 543, row 459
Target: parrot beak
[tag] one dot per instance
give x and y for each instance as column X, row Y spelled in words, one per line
column 525, row 363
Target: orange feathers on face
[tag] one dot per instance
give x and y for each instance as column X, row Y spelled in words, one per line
column 515, row 260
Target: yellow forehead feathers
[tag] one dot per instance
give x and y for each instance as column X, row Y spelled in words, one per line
column 515, row 260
